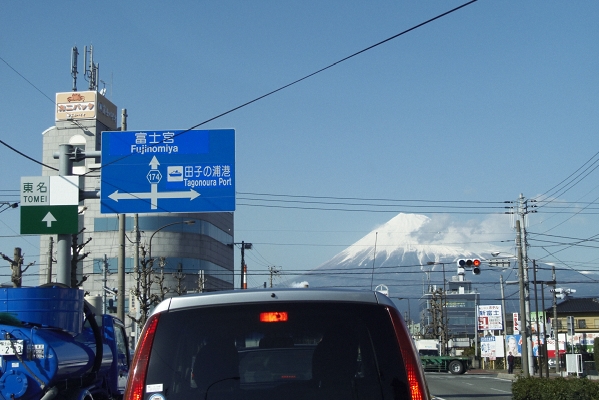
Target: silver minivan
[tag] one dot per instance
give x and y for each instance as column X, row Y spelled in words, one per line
column 277, row 344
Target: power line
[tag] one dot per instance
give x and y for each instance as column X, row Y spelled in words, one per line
column 27, row 80
column 566, row 179
column 26, row 156
column 394, row 211
column 280, row 88
column 371, row 199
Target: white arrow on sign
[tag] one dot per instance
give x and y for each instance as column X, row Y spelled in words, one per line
column 154, row 163
column 154, row 196
column 48, row 219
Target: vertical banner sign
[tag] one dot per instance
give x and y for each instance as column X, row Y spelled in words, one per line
column 168, row 171
column 534, row 317
column 516, row 321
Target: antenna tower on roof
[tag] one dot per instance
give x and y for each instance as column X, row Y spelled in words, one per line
column 92, row 72
column 74, row 56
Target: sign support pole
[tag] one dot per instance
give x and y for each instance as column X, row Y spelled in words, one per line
column 120, row 305
column 63, row 246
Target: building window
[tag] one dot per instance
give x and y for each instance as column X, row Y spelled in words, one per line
column 597, row 323
column 559, row 324
column 582, row 323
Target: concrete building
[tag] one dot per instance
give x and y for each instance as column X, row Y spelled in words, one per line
column 195, row 257
column 456, row 309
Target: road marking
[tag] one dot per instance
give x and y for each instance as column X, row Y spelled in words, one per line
column 499, row 390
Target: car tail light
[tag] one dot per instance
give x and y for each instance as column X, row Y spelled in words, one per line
column 137, row 379
column 418, row 389
column 277, row 316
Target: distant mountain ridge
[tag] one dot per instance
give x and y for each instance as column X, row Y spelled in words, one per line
column 402, row 245
column 397, row 254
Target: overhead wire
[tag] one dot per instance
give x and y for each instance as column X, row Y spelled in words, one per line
column 291, row 83
column 547, row 193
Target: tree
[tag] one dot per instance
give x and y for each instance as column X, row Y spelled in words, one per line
column 16, row 266
column 159, row 279
column 76, row 258
column 146, row 277
column 179, row 277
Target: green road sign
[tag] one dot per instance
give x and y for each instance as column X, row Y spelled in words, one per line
column 46, row 220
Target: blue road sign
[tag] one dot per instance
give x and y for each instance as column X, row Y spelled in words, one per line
column 168, row 171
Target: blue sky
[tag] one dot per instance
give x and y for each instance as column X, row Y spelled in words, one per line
column 496, row 99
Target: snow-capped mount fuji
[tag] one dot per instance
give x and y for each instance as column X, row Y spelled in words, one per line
column 397, row 253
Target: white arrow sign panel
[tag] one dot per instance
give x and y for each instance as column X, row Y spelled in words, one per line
column 154, row 196
column 48, row 219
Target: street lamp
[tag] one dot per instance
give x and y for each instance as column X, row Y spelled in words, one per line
column 444, row 312
column 143, row 293
column 188, row 222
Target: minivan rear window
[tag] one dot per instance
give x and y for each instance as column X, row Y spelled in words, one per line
column 308, row 350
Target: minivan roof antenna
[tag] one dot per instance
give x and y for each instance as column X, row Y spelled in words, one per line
column 74, row 72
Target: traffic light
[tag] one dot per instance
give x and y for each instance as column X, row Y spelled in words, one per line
column 473, row 263
column 476, row 267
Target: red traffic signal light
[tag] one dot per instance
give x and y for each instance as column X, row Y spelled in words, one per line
column 473, row 263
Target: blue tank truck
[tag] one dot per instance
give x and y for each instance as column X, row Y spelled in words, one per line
column 54, row 346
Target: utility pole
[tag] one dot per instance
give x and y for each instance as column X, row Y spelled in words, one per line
column 523, row 315
column 554, row 321
column 104, row 282
column 523, row 211
column 135, row 303
column 273, row 271
column 201, row 281
column 50, row 259
column 242, row 277
column 16, row 265
column 503, row 321
column 243, row 266
column 120, row 311
column 545, row 354
column 534, row 273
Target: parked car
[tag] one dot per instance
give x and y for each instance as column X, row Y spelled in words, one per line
column 277, row 344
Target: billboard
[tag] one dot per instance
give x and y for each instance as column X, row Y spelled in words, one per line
column 489, row 318
column 85, row 105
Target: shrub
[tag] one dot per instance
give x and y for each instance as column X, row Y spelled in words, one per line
column 555, row 389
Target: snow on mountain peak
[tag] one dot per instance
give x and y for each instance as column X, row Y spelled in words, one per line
column 403, row 234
